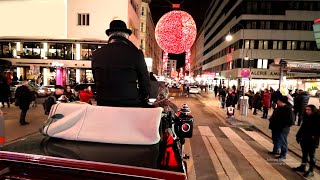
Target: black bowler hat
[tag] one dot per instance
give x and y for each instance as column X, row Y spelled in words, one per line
column 118, row 26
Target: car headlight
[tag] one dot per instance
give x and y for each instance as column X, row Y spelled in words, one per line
column 41, row 91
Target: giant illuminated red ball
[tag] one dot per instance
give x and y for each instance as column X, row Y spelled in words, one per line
column 175, row 32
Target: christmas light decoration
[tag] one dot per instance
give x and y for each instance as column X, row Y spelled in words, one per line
column 164, row 61
column 187, row 60
column 175, row 32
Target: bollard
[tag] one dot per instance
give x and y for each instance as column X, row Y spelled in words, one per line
column 2, row 137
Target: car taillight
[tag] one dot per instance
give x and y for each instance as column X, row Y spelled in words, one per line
column 185, row 127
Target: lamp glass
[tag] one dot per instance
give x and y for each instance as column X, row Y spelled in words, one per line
column 229, row 37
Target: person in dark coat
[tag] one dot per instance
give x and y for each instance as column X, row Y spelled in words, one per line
column 223, row 94
column 280, row 122
column 256, row 102
column 215, row 89
column 120, row 71
column 53, row 98
column 308, row 138
column 24, row 96
column 300, row 102
column 5, row 92
column 231, row 100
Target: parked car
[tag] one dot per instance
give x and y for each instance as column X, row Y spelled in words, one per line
column 194, row 90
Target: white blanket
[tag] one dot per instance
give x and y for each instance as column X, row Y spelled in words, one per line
column 118, row 125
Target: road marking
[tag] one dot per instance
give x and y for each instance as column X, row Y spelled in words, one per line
column 227, row 164
column 290, row 161
column 257, row 162
column 191, row 172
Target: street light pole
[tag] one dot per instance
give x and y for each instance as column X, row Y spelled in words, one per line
column 249, row 58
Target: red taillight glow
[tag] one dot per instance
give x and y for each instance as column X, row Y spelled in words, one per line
column 185, row 127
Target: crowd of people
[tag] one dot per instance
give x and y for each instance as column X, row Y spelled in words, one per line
column 288, row 110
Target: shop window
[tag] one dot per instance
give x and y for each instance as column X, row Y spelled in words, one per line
column 52, row 51
column 259, row 63
column 83, row 19
column 31, row 50
column 84, row 51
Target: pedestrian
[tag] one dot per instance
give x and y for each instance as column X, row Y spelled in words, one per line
column 52, row 99
column 23, row 98
column 308, row 138
column 223, row 95
column 70, row 95
column 280, row 122
column 5, row 92
column 215, row 89
column 231, row 102
column 266, row 100
column 300, row 102
column 120, row 71
column 256, row 102
column 290, row 97
column 86, row 94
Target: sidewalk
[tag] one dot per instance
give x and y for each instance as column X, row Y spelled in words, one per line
column 260, row 124
column 13, row 129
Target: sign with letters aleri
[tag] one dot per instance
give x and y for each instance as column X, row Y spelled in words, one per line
column 265, row 74
column 275, row 74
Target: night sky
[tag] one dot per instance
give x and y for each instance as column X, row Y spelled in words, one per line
column 196, row 8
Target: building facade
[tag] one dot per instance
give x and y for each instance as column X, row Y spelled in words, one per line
column 262, row 31
column 148, row 42
column 54, row 40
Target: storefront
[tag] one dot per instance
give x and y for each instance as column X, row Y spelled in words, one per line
column 267, row 78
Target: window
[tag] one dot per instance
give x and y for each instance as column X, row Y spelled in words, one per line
column 260, row 44
column 251, row 44
column 141, row 28
column 275, row 45
column 246, row 44
column 142, row 11
column 265, row 44
column 302, row 45
column 262, row 63
column 294, row 45
column 83, row 19
column 280, row 44
column 288, row 45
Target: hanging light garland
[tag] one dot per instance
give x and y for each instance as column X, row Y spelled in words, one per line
column 175, row 32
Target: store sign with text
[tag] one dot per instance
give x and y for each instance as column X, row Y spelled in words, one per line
column 275, row 74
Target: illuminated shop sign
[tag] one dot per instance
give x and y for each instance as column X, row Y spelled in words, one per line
column 57, row 64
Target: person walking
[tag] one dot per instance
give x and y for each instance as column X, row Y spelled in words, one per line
column 300, row 102
column 280, row 122
column 215, row 89
column 53, row 98
column 223, row 95
column 23, row 97
column 120, row 70
column 308, row 138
